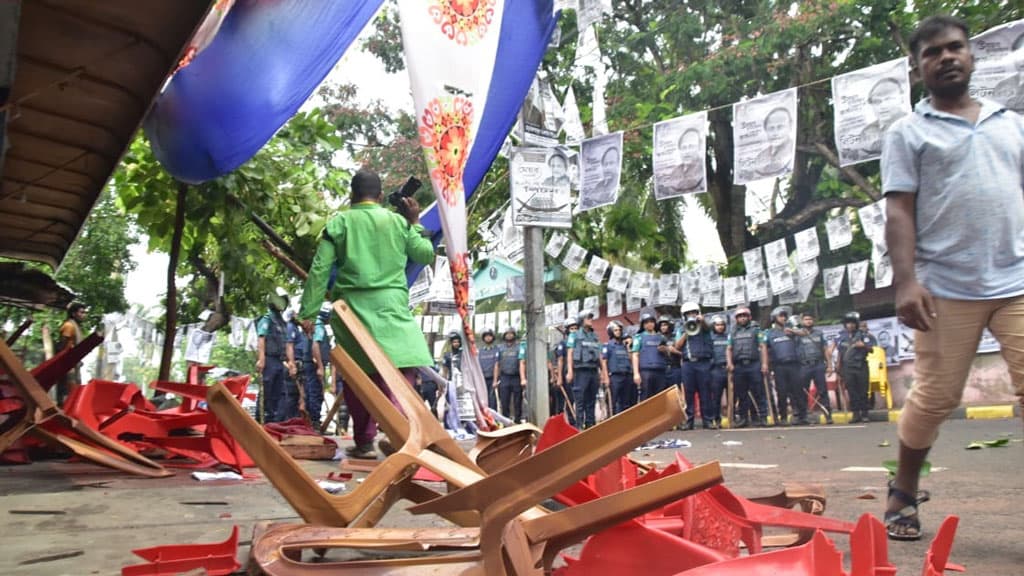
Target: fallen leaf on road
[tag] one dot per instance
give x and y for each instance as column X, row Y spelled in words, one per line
column 996, row 443
column 975, row 446
column 884, row 444
column 867, row 496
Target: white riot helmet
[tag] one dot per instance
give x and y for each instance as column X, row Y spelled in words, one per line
column 689, row 307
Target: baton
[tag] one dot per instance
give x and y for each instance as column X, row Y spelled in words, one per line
column 772, row 407
column 568, row 403
column 730, row 399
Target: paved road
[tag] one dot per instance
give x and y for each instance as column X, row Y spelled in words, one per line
column 105, row 515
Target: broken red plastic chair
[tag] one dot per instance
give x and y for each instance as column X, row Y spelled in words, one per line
column 218, row 559
column 936, row 562
column 819, row 557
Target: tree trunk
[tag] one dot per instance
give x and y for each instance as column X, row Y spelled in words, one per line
column 171, row 319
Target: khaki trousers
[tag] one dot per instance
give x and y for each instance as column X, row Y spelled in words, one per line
column 943, row 359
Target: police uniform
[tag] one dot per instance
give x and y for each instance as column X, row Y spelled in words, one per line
column 674, row 372
column 810, row 346
column 488, row 356
column 510, row 387
column 620, row 375
column 651, row 362
column 698, row 352
column 855, row 369
column 586, row 350
column 314, row 386
column 558, row 406
column 785, row 363
column 719, row 373
column 273, row 329
column 289, row 406
column 745, row 342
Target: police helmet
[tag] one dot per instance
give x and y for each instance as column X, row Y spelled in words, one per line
column 718, row 319
column 664, row 319
column 583, row 316
column 645, row 317
column 689, row 307
column 611, row 328
column 570, row 322
column 453, row 335
column 509, row 330
column 851, row 317
column 779, row 310
column 277, row 301
column 487, row 330
column 742, row 311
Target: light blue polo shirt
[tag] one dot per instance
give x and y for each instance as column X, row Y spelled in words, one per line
column 969, row 181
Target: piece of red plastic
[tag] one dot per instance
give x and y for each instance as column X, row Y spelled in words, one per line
column 633, row 548
column 819, row 557
column 218, row 559
column 936, row 562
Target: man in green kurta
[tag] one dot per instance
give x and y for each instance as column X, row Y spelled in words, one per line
column 371, row 246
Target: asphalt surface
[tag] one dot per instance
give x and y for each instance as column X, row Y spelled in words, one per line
column 77, row 519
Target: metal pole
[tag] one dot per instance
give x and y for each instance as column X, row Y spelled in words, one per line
column 536, row 346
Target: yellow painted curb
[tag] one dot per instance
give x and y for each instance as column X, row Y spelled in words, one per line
column 989, row 412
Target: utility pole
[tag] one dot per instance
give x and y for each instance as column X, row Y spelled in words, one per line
column 536, row 345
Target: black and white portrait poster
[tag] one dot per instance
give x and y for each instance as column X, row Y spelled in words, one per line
column 887, row 332
column 539, row 179
column 441, row 289
column 614, row 303
column 491, row 321
column 596, row 270
column 593, row 305
column 515, row 318
column 710, row 279
column 572, row 309
column 600, row 170
column 680, row 147
column 689, row 286
column 857, row 274
column 633, row 303
column 652, row 298
column 999, row 65
column 541, row 115
column 668, row 290
column 834, row 281
column 866, row 103
column 515, row 289
column 807, row 246
column 807, row 269
column 712, row 298
column 574, row 257
column 572, row 126
column 753, row 260
column 200, row 346
column 556, row 244
column 872, row 221
column 558, row 313
column 503, row 320
column 640, row 284
column 882, row 266
column 548, row 316
column 619, row 280
column 757, row 286
column 840, row 233
column 734, row 291
column 420, row 289
column 781, row 279
column 776, row 254
column 511, row 238
column 764, row 136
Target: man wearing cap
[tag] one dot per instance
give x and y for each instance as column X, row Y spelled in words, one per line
column 487, row 353
column 747, row 360
column 815, row 361
column 785, row 362
column 563, row 393
column 370, row 247
column 616, row 370
column 719, row 371
column 271, row 341
column 583, row 352
column 854, row 347
column 509, row 374
column 697, row 352
column 650, row 349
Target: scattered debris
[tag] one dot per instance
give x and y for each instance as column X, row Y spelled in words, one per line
column 331, row 487
column 38, row 512
column 206, row 476
column 732, row 443
column 204, row 503
column 52, row 557
column 673, row 444
column 867, row 496
column 884, row 444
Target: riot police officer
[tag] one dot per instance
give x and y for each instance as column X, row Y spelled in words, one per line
column 815, row 361
column 785, row 362
column 488, row 355
column 854, row 347
column 650, row 349
column 719, row 372
column 747, row 360
column 452, row 359
column 674, row 358
column 616, row 370
column 583, row 351
column 694, row 342
column 296, row 350
column 510, row 374
column 271, row 331
column 564, row 393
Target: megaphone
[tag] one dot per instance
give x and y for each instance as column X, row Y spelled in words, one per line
column 692, row 327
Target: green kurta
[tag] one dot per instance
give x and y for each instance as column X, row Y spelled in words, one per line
column 371, row 246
